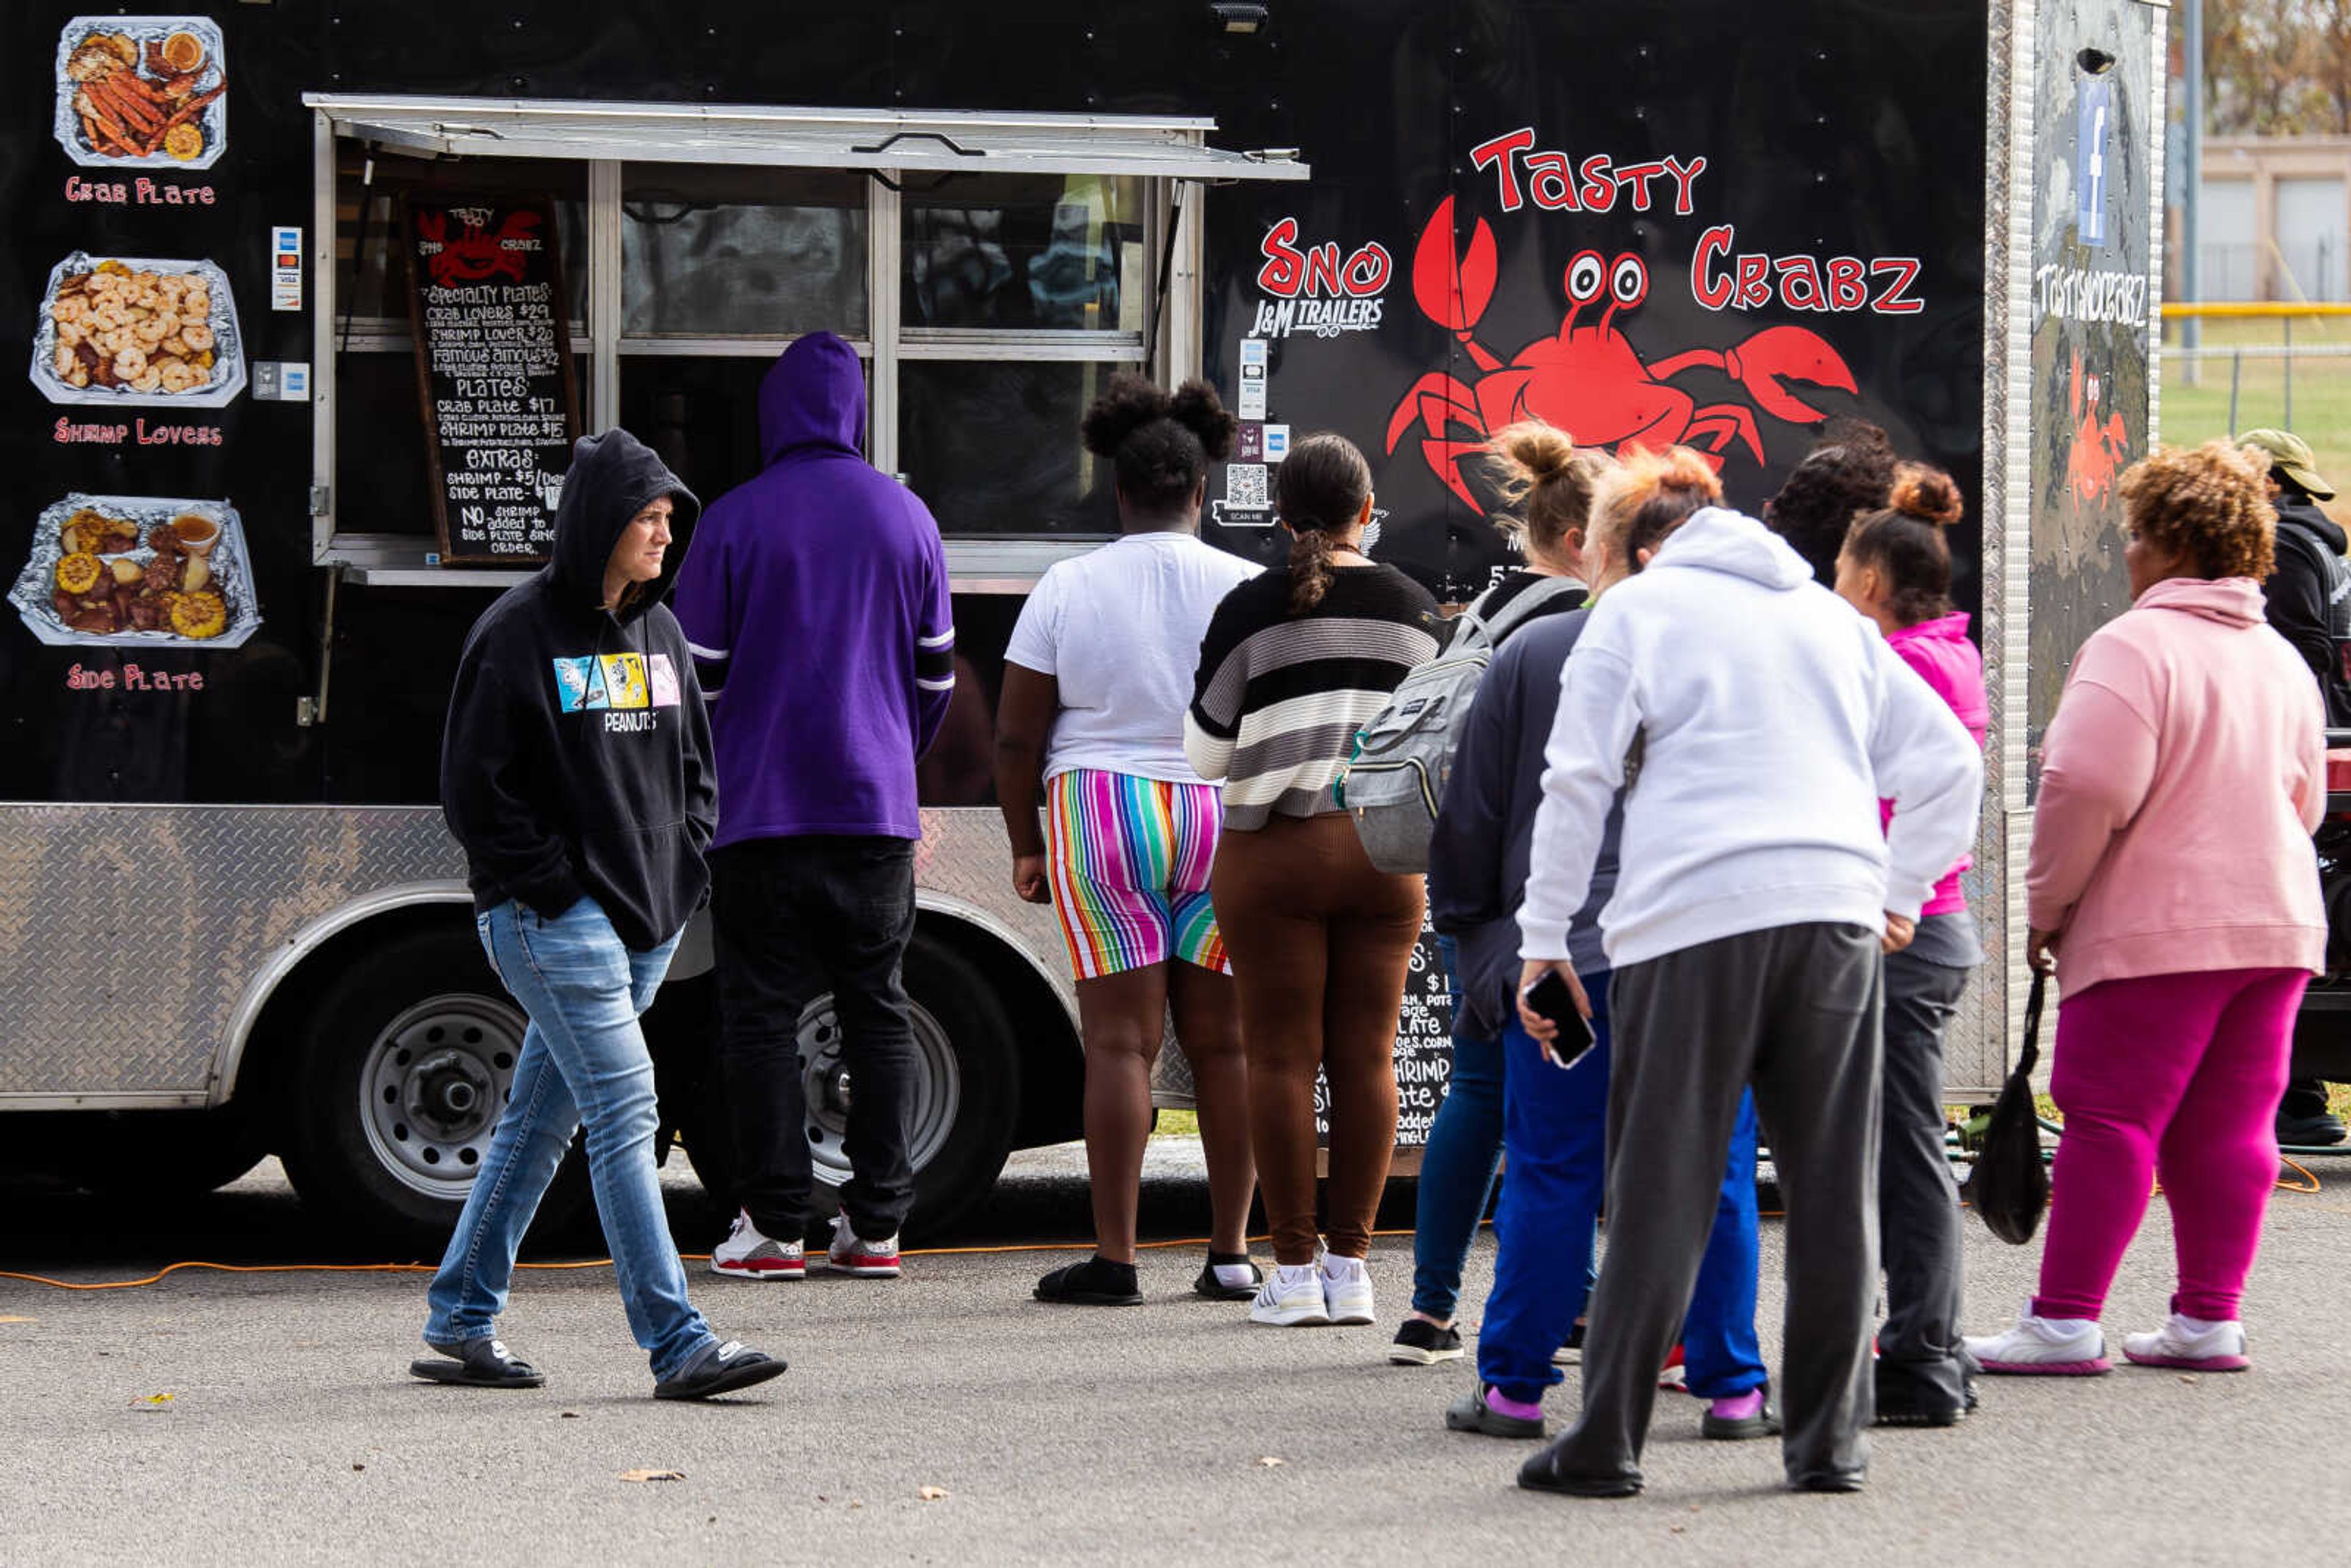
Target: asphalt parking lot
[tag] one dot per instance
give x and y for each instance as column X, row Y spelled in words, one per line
column 267, row 1418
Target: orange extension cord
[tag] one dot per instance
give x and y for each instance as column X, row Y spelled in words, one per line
column 2309, row 1182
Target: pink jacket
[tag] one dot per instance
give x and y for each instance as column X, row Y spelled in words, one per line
column 2182, row 778
column 1940, row 650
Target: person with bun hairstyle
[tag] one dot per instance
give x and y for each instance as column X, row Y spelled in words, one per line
column 1548, row 481
column 1093, row 706
column 1294, row 662
column 1849, row 470
column 1556, row 1122
column 1895, row 569
column 2174, row 891
column 1755, row 897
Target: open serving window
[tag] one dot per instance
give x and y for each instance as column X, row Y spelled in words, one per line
column 992, row 270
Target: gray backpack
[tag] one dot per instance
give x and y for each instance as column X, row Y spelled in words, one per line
column 1395, row 783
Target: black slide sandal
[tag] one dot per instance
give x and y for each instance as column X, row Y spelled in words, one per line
column 483, row 1362
column 1096, row 1282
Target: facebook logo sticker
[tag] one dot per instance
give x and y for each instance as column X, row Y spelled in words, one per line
column 2093, row 119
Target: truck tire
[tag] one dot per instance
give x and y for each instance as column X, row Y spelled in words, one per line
column 967, row 1095
column 406, row 1063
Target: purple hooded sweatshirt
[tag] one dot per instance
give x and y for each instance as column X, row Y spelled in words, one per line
column 816, row 603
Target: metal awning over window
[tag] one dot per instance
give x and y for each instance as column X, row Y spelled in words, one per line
column 880, row 139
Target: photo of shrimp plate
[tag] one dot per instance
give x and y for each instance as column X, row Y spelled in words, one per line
column 141, row 331
column 142, row 91
column 137, row 571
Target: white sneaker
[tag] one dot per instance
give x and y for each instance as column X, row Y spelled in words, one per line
column 1290, row 1298
column 1346, row 1289
column 2047, row 1347
column 2192, row 1343
column 746, row 1254
column 851, row 1254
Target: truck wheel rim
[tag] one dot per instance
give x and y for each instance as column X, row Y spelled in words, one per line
column 433, row 1087
column 935, row 1099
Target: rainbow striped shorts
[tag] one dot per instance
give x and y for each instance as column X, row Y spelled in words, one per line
column 1129, row 860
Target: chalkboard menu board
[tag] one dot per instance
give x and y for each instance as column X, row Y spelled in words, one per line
column 493, row 368
column 1424, row 1051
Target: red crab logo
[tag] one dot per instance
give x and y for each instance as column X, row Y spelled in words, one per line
column 476, row 252
column 2099, row 445
column 1588, row 380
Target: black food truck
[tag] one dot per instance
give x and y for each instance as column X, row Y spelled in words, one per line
column 310, row 295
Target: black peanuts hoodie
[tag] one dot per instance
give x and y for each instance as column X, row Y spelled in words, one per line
column 577, row 761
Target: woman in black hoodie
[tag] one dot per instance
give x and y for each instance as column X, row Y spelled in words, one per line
column 576, row 773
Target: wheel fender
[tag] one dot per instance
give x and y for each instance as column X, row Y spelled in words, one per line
column 298, row 950
column 1056, row 977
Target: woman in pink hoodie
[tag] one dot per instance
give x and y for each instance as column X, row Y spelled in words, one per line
column 1895, row 569
column 2174, row 883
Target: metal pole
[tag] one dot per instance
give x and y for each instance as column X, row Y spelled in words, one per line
column 2191, row 259
column 2236, row 380
column 2289, row 372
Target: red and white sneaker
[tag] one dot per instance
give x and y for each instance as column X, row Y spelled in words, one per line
column 1674, row 1378
column 852, row 1254
column 748, row 1255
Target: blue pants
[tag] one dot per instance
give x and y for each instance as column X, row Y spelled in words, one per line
column 1555, row 1130
column 583, row 1055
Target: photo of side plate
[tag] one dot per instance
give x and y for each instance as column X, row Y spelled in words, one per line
column 226, row 377
column 231, row 566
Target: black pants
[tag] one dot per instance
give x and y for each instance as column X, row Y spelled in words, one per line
column 793, row 919
column 1918, row 1201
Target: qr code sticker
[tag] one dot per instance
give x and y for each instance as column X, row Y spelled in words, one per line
column 1245, row 486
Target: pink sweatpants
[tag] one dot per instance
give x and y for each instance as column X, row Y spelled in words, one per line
column 2176, row 1075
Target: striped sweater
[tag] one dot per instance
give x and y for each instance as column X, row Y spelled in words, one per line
column 1277, row 699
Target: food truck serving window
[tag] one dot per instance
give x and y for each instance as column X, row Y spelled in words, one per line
column 992, row 271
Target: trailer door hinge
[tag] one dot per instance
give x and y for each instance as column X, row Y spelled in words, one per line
column 319, row 506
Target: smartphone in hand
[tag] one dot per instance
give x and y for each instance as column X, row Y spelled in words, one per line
column 1551, row 998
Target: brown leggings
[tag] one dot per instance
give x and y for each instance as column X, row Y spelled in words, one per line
column 1318, row 942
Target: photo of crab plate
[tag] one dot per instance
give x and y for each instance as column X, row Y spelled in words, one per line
column 130, row 571
column 138, row 331
column 142, row 91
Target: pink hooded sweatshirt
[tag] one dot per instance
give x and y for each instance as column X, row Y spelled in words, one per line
column 2182, row 778
column 1940, row 650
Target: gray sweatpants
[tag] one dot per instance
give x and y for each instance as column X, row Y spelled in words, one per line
column 1917, row 1199
column 1795, row 1010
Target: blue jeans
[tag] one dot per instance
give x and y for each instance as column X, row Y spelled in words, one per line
column 1555, row 1128
column 582, row 1055
column 1457, row 1174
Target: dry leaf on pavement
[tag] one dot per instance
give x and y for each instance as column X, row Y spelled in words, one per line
column 652, row 1475
column 1268, row 1461
column 933, row 1494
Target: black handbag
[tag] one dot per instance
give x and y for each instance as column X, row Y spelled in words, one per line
column 2009, row 1185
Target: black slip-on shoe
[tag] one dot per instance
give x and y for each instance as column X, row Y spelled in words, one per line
column 720, row 1369
column 1541, row 1473
column 2321, row 1130
column 1216, row 1289
column 1829, row 1481
column 483, row 1361
column 1764, row 1423
column 1096, row 1282
column 1419, row 1342
column 1471, row 1413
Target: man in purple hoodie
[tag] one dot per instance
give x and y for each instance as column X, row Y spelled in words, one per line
column 817, row 607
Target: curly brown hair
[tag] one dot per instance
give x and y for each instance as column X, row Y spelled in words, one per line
column 2209, row 501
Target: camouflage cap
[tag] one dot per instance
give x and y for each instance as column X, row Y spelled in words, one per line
column 2290, row 455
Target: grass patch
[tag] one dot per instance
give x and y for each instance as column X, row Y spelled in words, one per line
column 1176, row 1124
column 2322, row 393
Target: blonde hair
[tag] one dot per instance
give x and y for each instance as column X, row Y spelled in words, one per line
column 1647, row 496
column 1548, row 480
column 2212, row 501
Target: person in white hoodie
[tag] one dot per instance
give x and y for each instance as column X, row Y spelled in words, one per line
column 1754, row 723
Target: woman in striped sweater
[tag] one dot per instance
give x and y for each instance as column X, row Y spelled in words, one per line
column 1294, row 663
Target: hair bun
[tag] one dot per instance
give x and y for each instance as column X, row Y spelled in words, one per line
column 1682, row 468
column 1197, row 407
column 1541, row 451
column 1126, row 406
column 1927, row 493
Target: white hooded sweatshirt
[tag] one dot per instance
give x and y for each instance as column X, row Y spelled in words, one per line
column 1773, row 718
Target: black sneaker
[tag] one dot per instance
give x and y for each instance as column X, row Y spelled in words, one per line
column 482, row 1362
column 1906, row 1402
column 719, row 1369
column 1542, row 1473
column 1096, row 1282
column 1572, row 1352
column 1471, row 1413
column 1419, row 1342
column 2323, row 1131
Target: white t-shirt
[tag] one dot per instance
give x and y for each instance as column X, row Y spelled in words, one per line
column 1119, row 630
